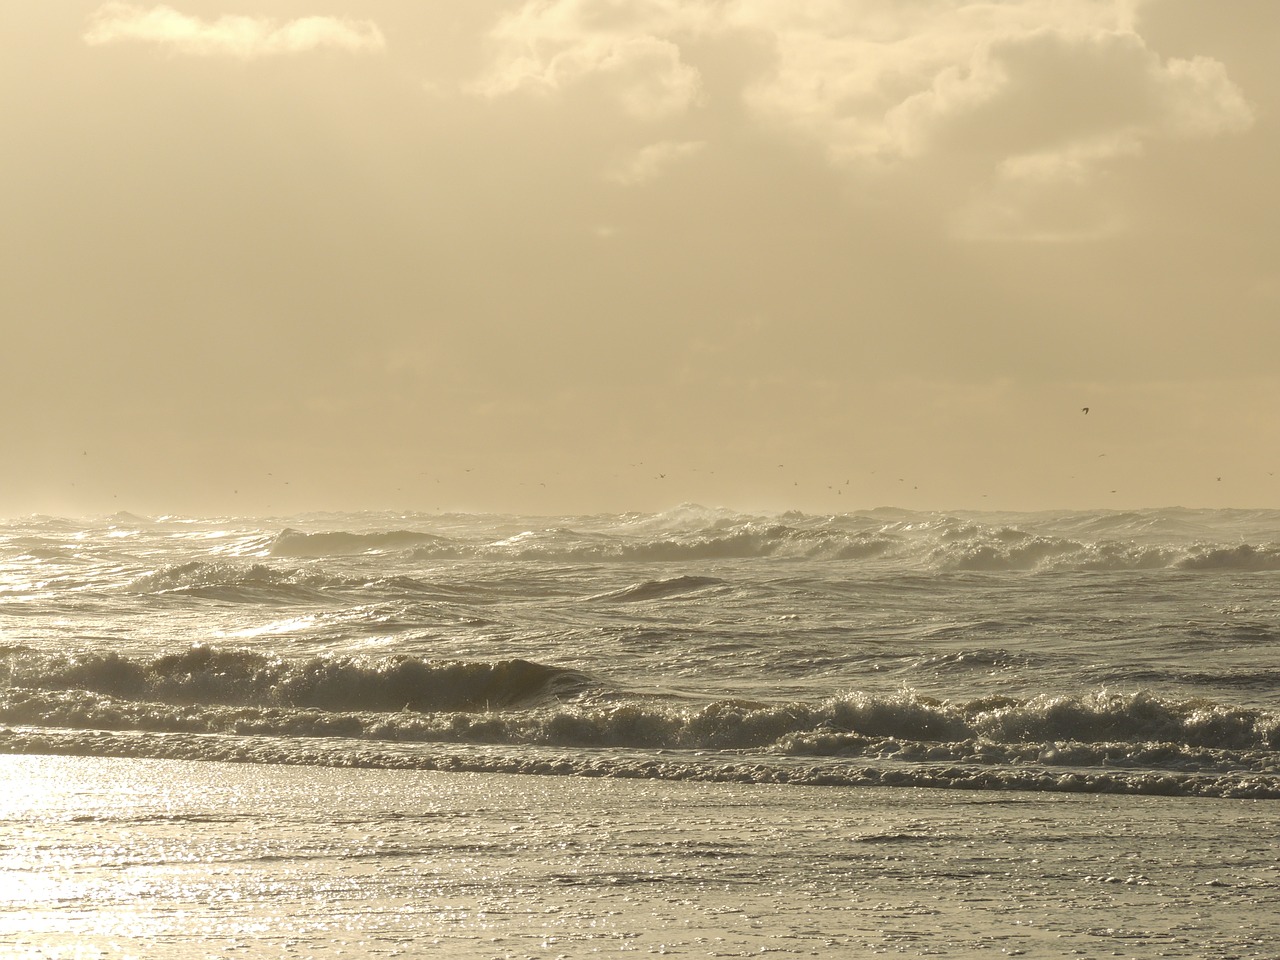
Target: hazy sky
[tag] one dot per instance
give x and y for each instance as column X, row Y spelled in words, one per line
column 579, row 255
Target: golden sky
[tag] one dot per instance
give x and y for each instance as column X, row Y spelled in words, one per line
column 578, row 255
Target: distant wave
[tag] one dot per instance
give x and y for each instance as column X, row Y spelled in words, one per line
column 1009, row 550
column 294, row 543
column 986, row 553
column 237, row 583
column 759, row 540
column 234, row 581
column 1244, row 557
column 744, row 540
column 927, row 542
column 659, row 589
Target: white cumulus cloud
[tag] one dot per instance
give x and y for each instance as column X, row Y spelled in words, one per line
column 235, row 36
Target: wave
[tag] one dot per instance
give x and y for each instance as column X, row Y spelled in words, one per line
column 128, row 519
column 760, row 540
column 743, row 541
column 237, row 583
column 659, row 589
column 230, row 581
column 934, row 542
column 261, row 707
column 295, row 543
column 1244, row 557
column 968, row 773
column 207, row 677
column 982, row 553
column 519, row 701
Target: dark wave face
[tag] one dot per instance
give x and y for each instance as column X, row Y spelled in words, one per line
column 206, row 676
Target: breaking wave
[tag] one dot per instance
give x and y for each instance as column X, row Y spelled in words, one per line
column 295, row 543
column 929, row 542
column 1137, row 742
column 207, row 677
column 236, row 583
column 1152, row 769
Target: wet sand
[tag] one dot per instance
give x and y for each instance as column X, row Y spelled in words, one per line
column 111, row 857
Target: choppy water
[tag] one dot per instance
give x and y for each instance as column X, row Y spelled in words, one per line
column 1129, row 652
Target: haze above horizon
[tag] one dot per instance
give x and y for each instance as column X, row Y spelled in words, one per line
column 571, row 256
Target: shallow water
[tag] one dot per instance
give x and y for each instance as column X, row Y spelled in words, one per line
column 144, row 858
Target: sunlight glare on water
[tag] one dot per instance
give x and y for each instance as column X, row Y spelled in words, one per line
column 208, row 859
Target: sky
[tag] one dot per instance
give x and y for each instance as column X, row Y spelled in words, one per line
column 569, row 256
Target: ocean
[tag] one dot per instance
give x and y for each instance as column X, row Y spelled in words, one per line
column 699, row 732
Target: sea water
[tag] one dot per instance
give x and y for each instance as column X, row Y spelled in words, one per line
column 698, row 731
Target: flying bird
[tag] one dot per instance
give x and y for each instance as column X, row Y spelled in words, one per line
column 1084, row 410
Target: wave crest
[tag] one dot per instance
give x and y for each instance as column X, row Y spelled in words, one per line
column 209, row 677
column 295, row 543
column 931, row 542
column 521, row 702
column 236, row 583
column 660, row 589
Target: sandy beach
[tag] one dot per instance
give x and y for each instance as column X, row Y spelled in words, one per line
column 130, row 858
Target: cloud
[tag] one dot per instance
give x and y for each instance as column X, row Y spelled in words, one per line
column 627, row 48
column 877, row 83
column 652, row 161
column 1034, row 100
column 234, row 36
column 1070, row 109
column 1030, row 100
